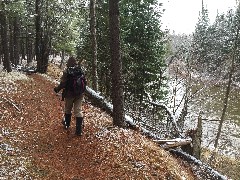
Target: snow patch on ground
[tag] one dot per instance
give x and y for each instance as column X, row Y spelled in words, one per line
column 49, row 78
column 114, row 133
column 13, row 165
column 7, row 80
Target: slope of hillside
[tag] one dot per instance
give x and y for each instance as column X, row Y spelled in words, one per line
column 34, row 145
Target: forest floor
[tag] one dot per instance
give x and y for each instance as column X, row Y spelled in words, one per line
column 34, row 144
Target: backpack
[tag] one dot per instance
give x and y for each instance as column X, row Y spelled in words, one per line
column 76, row 81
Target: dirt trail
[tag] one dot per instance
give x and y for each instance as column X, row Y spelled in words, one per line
column 34, row 144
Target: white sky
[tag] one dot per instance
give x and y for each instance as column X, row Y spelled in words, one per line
column 182, row 15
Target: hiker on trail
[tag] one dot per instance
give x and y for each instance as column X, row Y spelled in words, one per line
column 73, row 83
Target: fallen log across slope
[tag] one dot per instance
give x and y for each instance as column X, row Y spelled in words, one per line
column 202, row 170
column 102, row 103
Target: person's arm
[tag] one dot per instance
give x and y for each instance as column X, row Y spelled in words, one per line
column 62, row 84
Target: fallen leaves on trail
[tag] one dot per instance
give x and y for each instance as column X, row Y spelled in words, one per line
column 36, row 142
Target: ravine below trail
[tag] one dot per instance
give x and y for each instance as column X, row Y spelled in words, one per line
column 34, row 144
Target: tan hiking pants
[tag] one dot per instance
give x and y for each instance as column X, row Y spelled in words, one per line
column 76, row 104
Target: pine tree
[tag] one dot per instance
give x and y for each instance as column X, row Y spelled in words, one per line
column 201, row 42
column 144, row 45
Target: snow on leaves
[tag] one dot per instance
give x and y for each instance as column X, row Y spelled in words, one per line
column 7, row 80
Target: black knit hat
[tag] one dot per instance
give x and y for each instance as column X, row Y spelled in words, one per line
column 71, row 62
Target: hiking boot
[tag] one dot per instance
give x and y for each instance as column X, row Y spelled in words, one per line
column 66, row 121
column 79, row 121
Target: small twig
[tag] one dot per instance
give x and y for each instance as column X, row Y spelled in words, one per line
column 10, row 101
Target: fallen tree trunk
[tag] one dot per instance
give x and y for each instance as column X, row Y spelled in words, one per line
column 203, row 170
column 101, row 102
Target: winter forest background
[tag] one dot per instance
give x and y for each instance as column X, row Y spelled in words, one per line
column 180, row 76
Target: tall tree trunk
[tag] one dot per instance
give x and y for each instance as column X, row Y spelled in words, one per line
column 29, row 60
column 42, row 43
column 62, row 59
column 1, row 51
column 11, row 45
column 233, row 57
column 94, row 44
column 16, row 40
column 38, row 45
column 4, row 36
column 22, row 48
column 29, row 45
column 45, row 52
column 108, row 85
column 31, row 53
column 116, row 66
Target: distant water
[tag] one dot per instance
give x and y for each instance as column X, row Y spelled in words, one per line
column 209, row 100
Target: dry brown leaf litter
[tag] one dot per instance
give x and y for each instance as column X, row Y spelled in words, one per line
column 35, row 145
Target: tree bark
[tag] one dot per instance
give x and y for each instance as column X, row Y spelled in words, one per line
column 94, row 43
column 116, row 65
column 1, row 51
column 38, row 45
column 5, row 41
column 16, row 40
column 62, row 59
column 197, row 138
column 29, row 47
column 22, row 49
column 11, row 45
column 45, row 53
column 42, row 38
